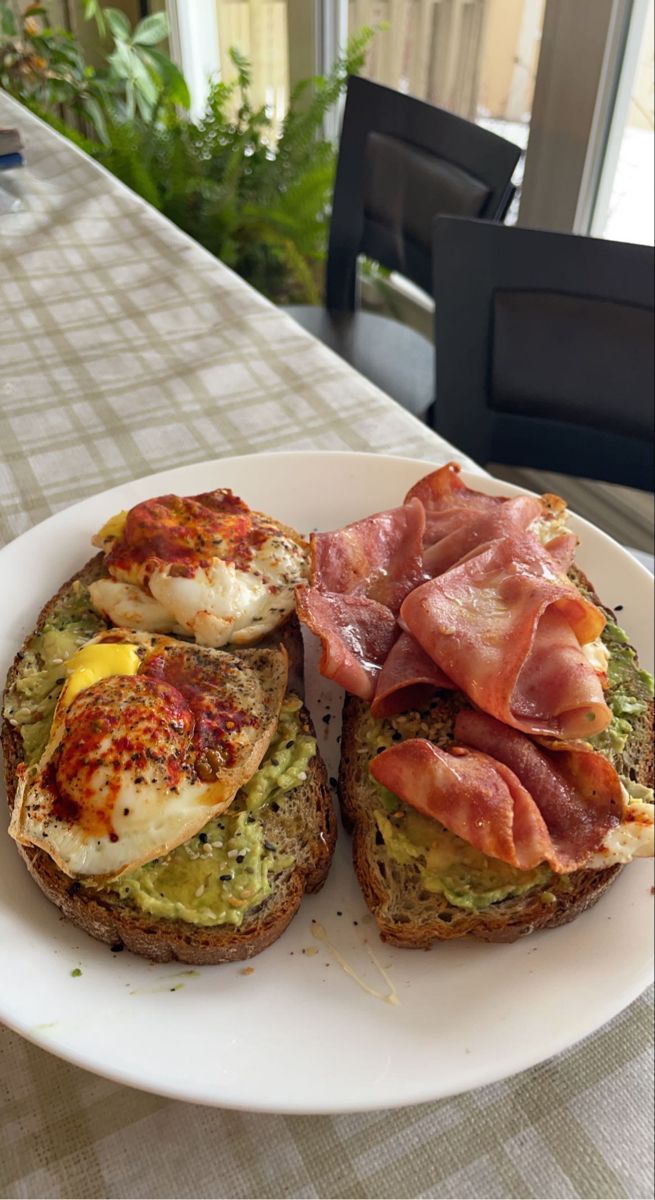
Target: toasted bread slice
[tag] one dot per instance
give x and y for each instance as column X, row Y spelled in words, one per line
column 300, row 824
column 409, row 915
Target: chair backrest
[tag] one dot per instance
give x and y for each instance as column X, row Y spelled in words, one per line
column 401, row 161
column 544, row 350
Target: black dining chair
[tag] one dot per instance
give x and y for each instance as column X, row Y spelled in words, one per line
column 401, row 161
column 544, row 350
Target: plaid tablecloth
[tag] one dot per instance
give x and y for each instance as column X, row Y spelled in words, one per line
column 125, row 349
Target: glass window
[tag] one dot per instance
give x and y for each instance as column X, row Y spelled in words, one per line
column 258, row 29
column 624, row 207
column 477, row 58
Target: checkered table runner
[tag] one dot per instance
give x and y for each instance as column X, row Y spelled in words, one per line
column 126, row 349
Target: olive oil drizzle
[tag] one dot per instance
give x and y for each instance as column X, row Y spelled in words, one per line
column 389, row 997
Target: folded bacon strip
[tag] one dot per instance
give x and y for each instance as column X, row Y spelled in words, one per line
column 448, row 501
column 508, row 630
column 407, row 680
column 478, row 529
column 483, row 606
column 512, row 800
column 579, row 790
column 460, row 520
column 380, row 557
column 356, row 636
column 360, row 575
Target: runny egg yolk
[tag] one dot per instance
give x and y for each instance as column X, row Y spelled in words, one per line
column 96, row 662
column 112, row 529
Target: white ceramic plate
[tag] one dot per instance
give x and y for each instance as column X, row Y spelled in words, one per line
column 298, row 1035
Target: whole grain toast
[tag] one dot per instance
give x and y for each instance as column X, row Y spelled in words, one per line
column 302, row 824
column 409, row 916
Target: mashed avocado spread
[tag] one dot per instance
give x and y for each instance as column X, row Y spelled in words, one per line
column 446, row 864
column 31, row 702
column 223, row 872
column 630, row 690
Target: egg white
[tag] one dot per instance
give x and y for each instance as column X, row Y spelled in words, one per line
column 216, row 605
column 634, row 836
column 148, row 816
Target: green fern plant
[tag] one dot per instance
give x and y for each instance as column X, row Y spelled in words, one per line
column 258, row 201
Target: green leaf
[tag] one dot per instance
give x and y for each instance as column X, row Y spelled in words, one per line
column 118, row 24
column 151, row 30
column 120, row 60
column 8, row 22
column 94, row 112
column 243, row 66
column 93, row 10
column 173, row 83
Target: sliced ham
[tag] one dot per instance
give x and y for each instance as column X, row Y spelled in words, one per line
column 356, row 636
column 562, row 550
column 474, row 797
column 577, row 790
column 459, row 520
column 476, row 528
column 508, row 630
column 557, row 680
column 379, row 557
column 447, row 500
column 530, row 812
column 485, row 606
column 408, row 679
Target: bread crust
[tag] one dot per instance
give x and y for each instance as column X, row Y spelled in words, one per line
column 418, row 926
column 109, row 920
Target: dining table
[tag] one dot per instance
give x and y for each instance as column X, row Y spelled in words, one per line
column 127, row 349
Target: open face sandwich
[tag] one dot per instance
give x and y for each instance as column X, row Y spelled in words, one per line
column 164, row 783
column 497, row 754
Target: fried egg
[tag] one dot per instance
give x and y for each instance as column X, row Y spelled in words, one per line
column 634, row 836
column 150, row 739
column 203, row 566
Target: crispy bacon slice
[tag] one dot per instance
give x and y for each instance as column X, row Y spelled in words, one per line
column 522, row 804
